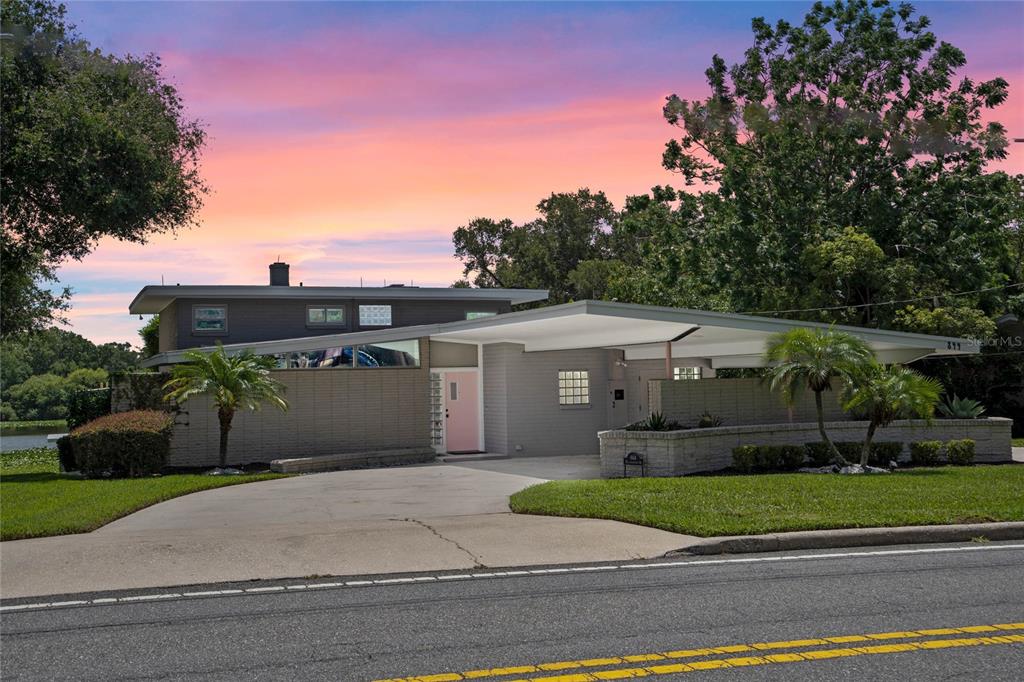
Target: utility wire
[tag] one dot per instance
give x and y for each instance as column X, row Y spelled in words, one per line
column 880, row 303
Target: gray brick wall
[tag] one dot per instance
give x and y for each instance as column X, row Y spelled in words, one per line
column 331, row 411
column 737, row 402
column 675, row 453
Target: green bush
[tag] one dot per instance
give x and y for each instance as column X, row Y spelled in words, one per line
column 748, row 458
column 708, row 421
column 960, row 452
column 124, row 444
column 818, row 453
column 925, row 452
column 745, row 458
column 785, row 457
column 87, row 404
column 883, row 452
column 66, row 454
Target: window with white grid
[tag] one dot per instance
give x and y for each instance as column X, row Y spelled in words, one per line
column 573, row 387
column 686, row 372
column 374, row 316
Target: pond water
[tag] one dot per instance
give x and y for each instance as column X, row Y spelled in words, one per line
column 24, row 440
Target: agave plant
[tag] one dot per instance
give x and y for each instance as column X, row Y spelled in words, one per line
column 961, row 408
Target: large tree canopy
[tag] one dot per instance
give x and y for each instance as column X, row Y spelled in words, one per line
column 572, row 228
column 849, row 160
column 92, row 145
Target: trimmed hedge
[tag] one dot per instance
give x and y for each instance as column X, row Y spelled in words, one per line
column 128, row 444
column 925, row 452
column 66, row 454
column 960, row 452
column 748, row 458
column 882, row 452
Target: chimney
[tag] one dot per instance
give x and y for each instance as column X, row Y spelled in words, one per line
column 278, row 274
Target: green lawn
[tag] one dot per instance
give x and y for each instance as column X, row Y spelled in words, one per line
column 1018, row 442
column 36, row 500
column 48, row 425
column 748, row 505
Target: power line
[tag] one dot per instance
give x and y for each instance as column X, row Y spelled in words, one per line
column 880, row 303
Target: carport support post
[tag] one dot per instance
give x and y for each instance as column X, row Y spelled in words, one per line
column 668, row 360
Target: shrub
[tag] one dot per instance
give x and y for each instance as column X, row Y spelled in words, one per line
column 66, row 454
column 86, row 405
column 124, row 444
column 745, row 458
column 818, row 453
column 7, row 412
column 785, row 457
column 708, row 420
column 883, row 452
column 925, row 452
column 960, row 452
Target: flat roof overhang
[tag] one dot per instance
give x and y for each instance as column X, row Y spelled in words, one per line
column 641, row 332
column 723, row 339
column 152, row 299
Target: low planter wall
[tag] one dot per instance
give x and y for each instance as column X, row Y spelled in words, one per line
column 674, row 453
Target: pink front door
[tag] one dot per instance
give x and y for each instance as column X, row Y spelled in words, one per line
column 462, row 412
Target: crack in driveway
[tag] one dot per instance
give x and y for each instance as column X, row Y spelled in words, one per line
column 476, row 561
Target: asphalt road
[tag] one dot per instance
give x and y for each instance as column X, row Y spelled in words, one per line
column 858, row 616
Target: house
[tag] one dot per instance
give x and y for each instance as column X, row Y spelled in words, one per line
column 408, row 371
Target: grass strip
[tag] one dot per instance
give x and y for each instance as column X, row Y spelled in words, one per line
column 36, row 500
column 48, row 425
column 708, row 506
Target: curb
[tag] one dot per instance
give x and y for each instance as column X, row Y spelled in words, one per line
column 854, row 537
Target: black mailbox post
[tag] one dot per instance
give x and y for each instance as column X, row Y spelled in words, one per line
column 634, row 459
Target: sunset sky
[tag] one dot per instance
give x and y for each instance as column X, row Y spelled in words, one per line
column 351, row 139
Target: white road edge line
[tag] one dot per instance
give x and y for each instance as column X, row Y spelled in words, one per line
column 78, row 603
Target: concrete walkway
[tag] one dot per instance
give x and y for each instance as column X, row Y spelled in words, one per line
column 423, row 518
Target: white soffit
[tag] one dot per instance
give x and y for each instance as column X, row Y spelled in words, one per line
column 728, row 340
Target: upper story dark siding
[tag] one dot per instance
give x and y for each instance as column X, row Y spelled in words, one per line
column 250, row 320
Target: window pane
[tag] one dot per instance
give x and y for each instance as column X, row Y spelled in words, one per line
column 390, row 354
column 315, row 315
column 453, row 391
column 573, row 387
column 477, row 316
column 212, row 318
column 375, row 315
column 336, row 315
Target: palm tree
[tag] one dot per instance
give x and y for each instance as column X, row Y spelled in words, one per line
column 886, row 393
column 236, row 382
column 811, row 359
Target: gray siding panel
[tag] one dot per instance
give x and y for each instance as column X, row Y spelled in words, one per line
column 521, row 405
column 495, row 381
column 253, row 320
column 443, row 354
column 168, row 328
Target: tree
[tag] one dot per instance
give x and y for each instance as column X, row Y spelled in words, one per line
column 233, row 382
column 150, row 335
column 886, row 393
column 92, row 145
column 805, row 358
column 853, row 118
column 572, row 228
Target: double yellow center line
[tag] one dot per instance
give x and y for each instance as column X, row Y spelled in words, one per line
column 993, row 634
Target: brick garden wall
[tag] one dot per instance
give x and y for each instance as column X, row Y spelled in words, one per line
column 675, row 453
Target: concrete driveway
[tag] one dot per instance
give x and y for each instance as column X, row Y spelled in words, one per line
column 403, row 519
